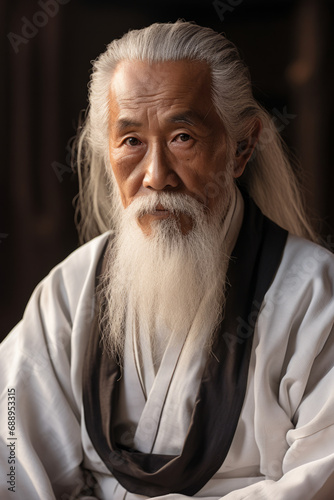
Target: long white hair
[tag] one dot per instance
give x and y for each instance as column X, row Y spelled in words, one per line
column 268, row 178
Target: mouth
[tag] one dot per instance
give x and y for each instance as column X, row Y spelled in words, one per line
column 160, row 212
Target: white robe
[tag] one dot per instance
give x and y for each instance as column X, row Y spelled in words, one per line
column 283, row 447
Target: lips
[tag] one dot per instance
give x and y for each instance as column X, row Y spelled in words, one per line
column 161, row 211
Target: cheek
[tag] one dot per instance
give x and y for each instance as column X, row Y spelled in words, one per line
column 118, row 177
column 210, row 185
column 128, row 180
column 191, row 169
column 198, row 176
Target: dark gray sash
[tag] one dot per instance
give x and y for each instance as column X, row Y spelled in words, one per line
column 254, row 263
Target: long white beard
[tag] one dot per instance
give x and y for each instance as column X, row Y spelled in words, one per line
column 164, row 277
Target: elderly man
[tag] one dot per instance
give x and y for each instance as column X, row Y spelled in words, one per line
column 187, row 350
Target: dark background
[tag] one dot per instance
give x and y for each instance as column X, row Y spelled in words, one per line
column 288, row 46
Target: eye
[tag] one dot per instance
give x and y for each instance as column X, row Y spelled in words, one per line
column 132, row 141
column 183, row 137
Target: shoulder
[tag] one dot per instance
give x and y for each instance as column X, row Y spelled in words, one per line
column 74, row 278
column 301, row 295
column 61, row 296
column 56, row 323
column 82, row 262
column 77, row 272
column 307, row 248
column 304, row 262
column 83, row 258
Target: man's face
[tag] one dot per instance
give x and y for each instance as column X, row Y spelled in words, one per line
column 165, row 135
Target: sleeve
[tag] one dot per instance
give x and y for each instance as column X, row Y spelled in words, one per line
column 41, row 453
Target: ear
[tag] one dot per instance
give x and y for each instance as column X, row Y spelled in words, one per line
column 245, row 149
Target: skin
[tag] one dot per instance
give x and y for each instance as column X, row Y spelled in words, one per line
column 165, row 135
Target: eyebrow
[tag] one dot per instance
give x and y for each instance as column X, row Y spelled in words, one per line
column 124, row 123
column 189, row 117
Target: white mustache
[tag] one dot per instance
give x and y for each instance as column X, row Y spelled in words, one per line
column 172, row 202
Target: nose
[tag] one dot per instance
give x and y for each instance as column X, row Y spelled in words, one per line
column 159, row 172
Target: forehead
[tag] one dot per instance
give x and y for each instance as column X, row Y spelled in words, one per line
column 170, row 85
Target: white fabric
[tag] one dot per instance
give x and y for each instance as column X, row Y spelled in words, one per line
column 284, row 444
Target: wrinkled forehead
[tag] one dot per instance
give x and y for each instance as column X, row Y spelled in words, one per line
column 168, row 85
